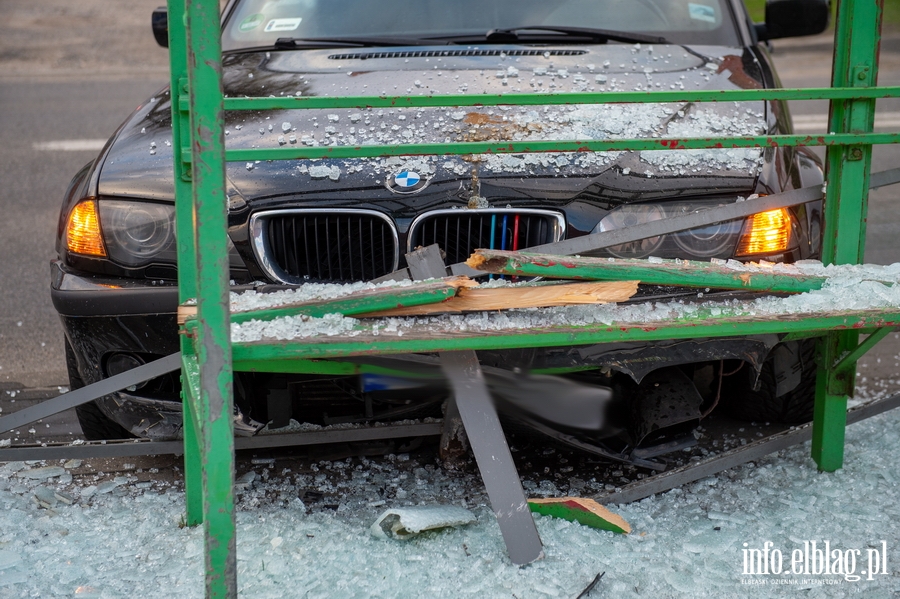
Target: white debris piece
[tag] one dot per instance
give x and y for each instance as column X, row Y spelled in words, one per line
column 325, row 172
column 245, row 480
column 405, row 523
column 45, row 497
column 108, row 485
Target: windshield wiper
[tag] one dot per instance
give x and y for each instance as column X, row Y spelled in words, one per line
column 291, row 43
column 597, row 35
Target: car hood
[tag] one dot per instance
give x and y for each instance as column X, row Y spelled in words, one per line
column 139, row 161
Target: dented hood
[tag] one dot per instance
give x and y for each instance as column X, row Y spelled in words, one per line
column 139, row 161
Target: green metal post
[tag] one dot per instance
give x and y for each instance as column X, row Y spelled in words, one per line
column 215, row 407
column 184, row 221
column 857, row 37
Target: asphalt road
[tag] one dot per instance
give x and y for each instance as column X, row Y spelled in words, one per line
column 70, row 72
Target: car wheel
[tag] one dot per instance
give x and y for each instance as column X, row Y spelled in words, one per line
column 761, row 404
column 95, row 425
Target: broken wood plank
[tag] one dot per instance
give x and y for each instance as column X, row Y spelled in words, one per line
column 582, row 510
column 682, row 273
column 477, row 299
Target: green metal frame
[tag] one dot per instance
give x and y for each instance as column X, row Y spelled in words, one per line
column 209, row 358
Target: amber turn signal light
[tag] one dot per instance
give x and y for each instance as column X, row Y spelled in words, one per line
column 83, row 231
column 766, row 233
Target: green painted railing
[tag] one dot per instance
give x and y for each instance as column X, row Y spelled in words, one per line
column 209, row 357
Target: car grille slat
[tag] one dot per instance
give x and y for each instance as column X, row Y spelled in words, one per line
column 343, row 246
column 460, row 232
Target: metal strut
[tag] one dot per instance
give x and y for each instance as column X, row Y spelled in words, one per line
column 91, row 392
column 495, row 462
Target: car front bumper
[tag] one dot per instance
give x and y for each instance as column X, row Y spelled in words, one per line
column 107, row 316
column 102, row 316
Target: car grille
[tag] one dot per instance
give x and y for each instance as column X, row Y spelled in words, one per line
column 460, row 232
column 296, row 246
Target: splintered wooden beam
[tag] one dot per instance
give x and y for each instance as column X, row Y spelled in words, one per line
column 682, row 273
column 353, row 304
column 477, row 299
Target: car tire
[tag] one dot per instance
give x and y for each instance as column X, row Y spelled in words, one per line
column 95, row 425
column 744, row 402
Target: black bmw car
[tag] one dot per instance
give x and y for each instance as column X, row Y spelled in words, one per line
column 296, row 222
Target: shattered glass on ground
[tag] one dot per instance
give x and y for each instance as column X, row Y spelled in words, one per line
column 305, row 529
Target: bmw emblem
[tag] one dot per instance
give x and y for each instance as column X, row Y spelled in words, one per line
column 406, row 182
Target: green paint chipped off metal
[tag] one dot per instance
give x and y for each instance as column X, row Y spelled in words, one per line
column 857, row 38
column 425, row 339
column 526, row 147
column 209, row 358
column 209, row 448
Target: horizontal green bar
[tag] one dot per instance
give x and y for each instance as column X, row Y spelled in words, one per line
column 563, row 369
column 431, row 340
column 332, row 367
column 525, row 147
column 298, row 366
column 684, row 273
column 363, row 302
column 519, row 99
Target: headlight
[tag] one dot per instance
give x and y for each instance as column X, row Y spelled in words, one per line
column 83, row 230
column 138, row 233
column 757, row 234
column 766, row 233
column 130, row 233
column 629, row 216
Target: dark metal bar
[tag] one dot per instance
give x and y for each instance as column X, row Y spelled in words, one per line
column 90, row 392
column 134, row 447
column 884, row 178
column 702, row 218
column 681, row 223
column 673, row 225
column 492, row 454
column 110, row 449
column 369, row 433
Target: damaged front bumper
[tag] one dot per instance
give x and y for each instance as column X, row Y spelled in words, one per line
column 108, row 318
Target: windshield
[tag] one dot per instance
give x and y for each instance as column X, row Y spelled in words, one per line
column 259, row 23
